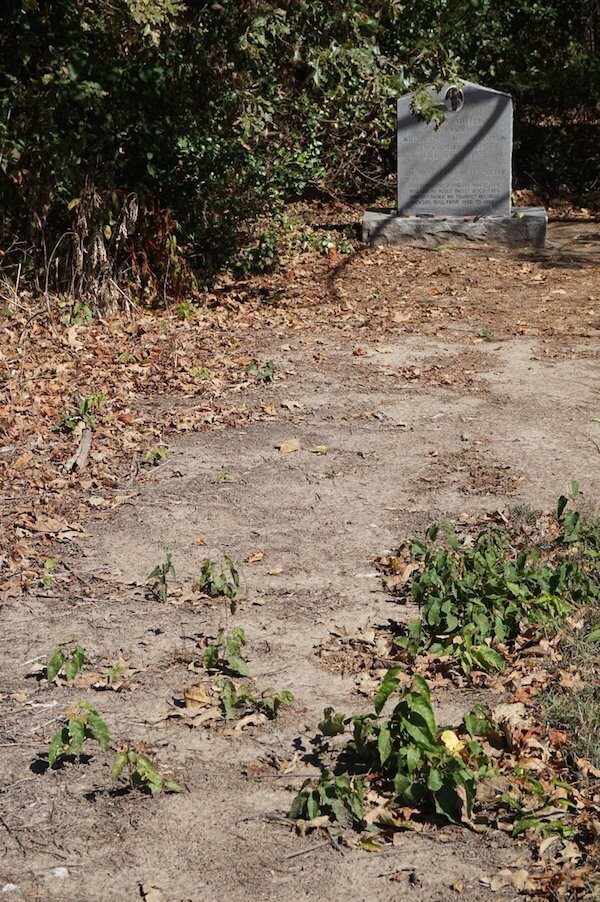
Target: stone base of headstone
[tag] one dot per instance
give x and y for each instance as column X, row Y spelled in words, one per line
column 525, row 227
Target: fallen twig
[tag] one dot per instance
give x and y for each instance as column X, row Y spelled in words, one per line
column 313, row 848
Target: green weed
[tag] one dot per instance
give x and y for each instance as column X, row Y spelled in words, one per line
column 83, row 412
column 160, row 578
column 237, row 700
column 141, row 772
column 83, row 723
column 47, row 577
column 475, row 598
column 225, row 475
column 80, row 314
column 64, row 664
column 225, row 583
column 226, row 651
column 156, row 455
column 262, row 373
column 415, row 765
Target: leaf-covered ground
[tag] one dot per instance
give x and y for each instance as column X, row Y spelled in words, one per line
column 409, row 385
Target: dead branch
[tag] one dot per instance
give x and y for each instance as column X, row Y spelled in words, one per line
column 79, row 459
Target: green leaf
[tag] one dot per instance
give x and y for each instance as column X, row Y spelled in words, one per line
column 488, row 658
column 57, row 746
column 447, row 803
column 478, row 722
column 389, row 685
column 54, row 665
column 332, row 723
column 435, row 780
column 384, row 743
column 238, row 665
column 210, row 657
column 594, row 636
column 118, row 765
column 420, row 704
column 76, row 730
column 172, row 786
column 99, row 731
column 75, row 662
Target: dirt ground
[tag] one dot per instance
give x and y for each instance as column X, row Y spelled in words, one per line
column 461, row 380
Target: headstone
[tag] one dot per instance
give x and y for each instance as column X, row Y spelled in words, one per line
column 462, row 168
column 455, row 180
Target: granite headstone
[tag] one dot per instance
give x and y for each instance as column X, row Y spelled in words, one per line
column 463, row 167
column 454, row 181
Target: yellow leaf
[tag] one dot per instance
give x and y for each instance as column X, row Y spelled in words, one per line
column 73, row 203
column 452, row 742
column 320, row 449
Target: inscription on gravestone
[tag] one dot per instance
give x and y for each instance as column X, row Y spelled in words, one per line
column 464, row 167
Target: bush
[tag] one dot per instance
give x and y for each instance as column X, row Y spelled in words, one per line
column 141, row 139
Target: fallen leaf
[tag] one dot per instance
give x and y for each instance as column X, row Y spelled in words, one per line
column 320, row 449
column 196, row 696
column 290, row 445
column 519, row 879
column 152, row 893
column 195, row 716
column 275, row 571
column 250, row 720
column 255, row 557
column 46, row 525
column 512, row 713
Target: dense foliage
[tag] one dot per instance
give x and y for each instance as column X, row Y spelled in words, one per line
column 130, row 129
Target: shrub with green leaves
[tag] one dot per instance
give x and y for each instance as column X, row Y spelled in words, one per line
column 83, row 412
column 410, row 761
column 151, row 137
column 83, row 723
column 224, row 583
column 141, row 772
column 226, row 651
column 261, row 372
column 65, row 664
column 159, row 578
column 474, row 596
column 237, row 700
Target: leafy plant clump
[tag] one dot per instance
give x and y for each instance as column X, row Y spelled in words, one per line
column 225, row 583
column 160, row 576
column 226, row 651
column 156, row 455
column 141, row 772
column 262, row 373
column 238, row 700
column 409, row 761
column 82, row 412
column 65, row 664
column 83, row 723
column 477, row 595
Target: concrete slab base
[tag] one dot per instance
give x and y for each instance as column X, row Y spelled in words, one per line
column 525, row 227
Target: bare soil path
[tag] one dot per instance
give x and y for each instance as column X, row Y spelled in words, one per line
column 418, row 385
